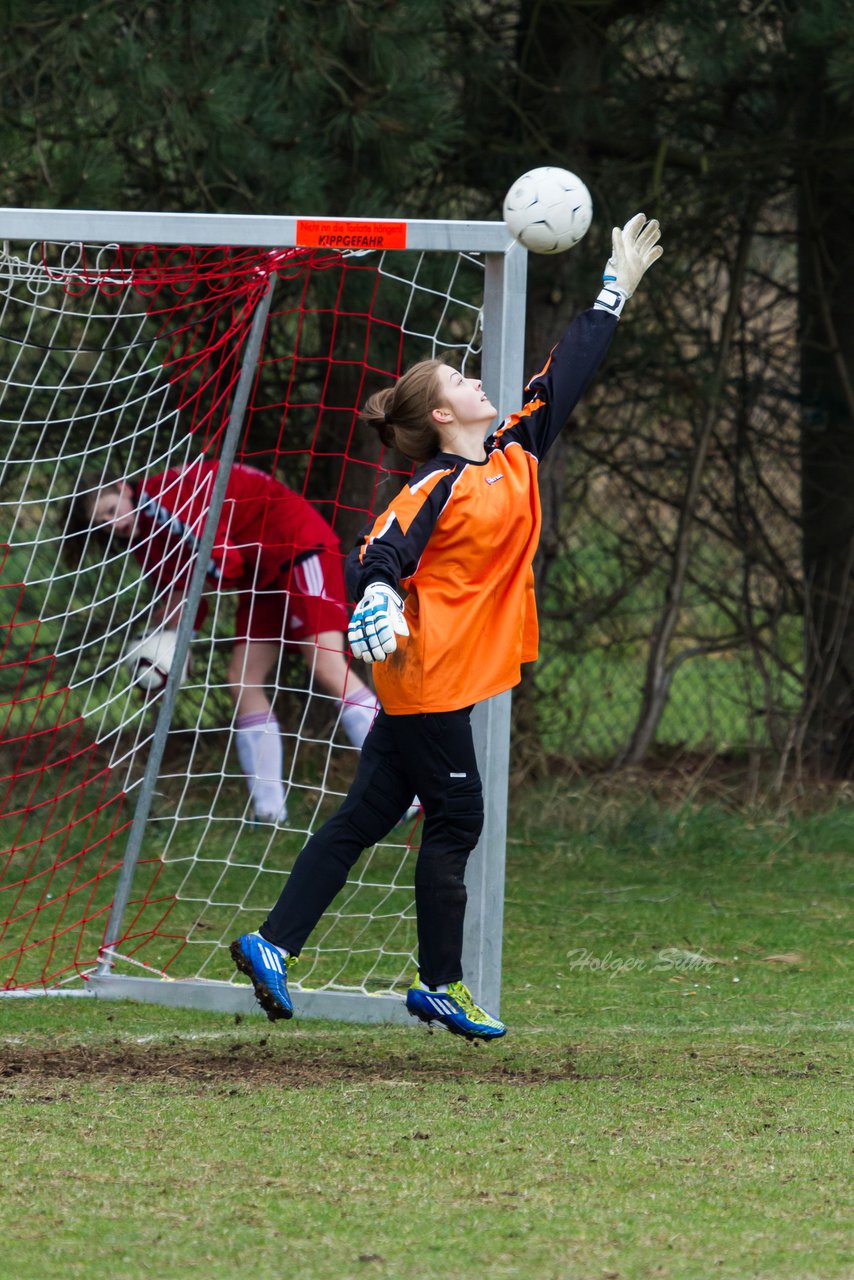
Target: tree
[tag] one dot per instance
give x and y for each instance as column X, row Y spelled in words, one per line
column 271, row 108
column 733, row 124
column 712, row 471
column 825, row 172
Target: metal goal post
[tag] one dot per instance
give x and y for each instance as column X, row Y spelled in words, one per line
column 503, row 321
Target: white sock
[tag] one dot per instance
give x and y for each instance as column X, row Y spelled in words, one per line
column 357, row 715
column 442, row 988
column 259, row 749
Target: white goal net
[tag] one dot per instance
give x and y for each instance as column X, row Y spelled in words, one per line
column 121, row 379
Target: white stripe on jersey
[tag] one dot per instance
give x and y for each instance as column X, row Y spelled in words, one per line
column 309, row 574
column 391, row 519
column 413, row 488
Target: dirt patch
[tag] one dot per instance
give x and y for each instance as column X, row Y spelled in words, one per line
column 254, row 1064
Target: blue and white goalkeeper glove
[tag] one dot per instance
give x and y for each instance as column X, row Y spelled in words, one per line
column 376, row 623
column 634, row 248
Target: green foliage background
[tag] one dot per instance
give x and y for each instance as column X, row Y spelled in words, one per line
column 731, row 123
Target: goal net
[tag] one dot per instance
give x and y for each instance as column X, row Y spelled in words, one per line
column 133, row 843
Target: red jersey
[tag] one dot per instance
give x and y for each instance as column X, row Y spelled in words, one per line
column 460, row 539
column 263, row 529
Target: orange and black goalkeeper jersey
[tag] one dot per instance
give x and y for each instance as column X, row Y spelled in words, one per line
column 460, row 539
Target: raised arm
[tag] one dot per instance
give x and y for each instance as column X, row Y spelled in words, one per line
column 553, row 393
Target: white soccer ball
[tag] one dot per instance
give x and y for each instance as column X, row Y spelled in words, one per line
column 548, row 210
column 150, row 659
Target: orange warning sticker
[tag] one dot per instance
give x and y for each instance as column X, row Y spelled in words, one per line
column 328, row 233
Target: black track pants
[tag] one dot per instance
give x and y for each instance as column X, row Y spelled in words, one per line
column 431, row 756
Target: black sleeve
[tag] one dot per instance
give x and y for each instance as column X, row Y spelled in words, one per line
column 553, row 393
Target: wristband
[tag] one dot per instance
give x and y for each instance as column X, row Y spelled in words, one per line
column 611, row 299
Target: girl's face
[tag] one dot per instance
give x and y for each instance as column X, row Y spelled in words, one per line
column 465, row 398
column 115, row 509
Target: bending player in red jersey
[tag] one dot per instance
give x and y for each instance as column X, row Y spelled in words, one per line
column 283, row 562
column 458, row 541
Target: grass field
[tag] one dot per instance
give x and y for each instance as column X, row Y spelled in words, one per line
column 673, row 1099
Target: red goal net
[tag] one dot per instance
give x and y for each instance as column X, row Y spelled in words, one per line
column 122, row 364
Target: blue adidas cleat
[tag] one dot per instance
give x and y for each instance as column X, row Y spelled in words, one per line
column 267, row 968
column 454, row 1009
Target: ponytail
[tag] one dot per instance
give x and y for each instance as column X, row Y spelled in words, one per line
column 401, row 415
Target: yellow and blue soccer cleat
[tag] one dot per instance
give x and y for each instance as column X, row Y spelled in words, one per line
column 267, row 968
column 454, row 1009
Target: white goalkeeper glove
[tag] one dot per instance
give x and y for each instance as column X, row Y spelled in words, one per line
column 634, row 248
column 376, row 623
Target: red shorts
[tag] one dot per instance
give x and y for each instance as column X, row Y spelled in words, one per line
column 308, row 600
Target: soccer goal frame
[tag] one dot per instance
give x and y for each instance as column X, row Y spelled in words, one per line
column 502, row 369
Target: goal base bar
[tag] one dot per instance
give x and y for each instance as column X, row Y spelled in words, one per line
column 226, row 997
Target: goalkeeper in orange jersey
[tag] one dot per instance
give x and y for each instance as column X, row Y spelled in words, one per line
column 447, row 615
column 283, row 562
